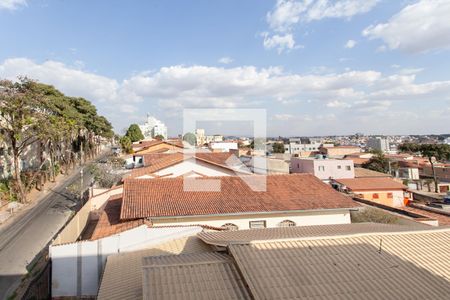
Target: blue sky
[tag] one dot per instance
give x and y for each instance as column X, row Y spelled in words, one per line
column 318, row 67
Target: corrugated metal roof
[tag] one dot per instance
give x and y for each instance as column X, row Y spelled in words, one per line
column 122, row 277
column 192, row 276
column 223, row 238
column 409, row 266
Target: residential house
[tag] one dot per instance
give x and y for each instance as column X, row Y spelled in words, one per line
column 197, row 164
column 277, row 163
column 157, row 146
column 359, row 158
column 377, row 189
column 224, row 147
column 299, row 148
column 231, row 201
column 328, row 261
column 323, row 168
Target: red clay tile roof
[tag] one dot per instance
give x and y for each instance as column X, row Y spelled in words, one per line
column 109, row 222
column 146, row 144
column 166, row 197
column 366, row 173
column 156, row 162
column 442, row 219
column 370, row 184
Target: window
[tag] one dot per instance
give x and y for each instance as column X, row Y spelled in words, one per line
column 390, row 195
column 287, row 223
column 375, row 196
column 339, row 167
column 257, row 224
column 230, row 226
column 321, row 168
column 348, row 168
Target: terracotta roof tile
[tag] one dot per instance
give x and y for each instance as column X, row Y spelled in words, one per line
column 369, row 184
column 156, row 162
column 109, row 222
column 166, row 197
column 366, row 173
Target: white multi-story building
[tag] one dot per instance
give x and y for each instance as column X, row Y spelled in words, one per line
column 378, row 143
column 200, row 135
column 153, row 127
column 295, row 148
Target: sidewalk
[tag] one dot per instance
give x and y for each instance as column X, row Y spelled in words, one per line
column 35, row 196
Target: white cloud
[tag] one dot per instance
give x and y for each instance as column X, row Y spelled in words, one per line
column 338, row 104
column 170, row 89
column 279, row 42
column 287, row 13
column 350, row 44
column 420, row 27
column 12, row 4
column 225, row 60
column 283, row 117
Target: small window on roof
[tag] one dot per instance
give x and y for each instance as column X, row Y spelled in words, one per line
column 375, row 196
column 230, row 226
column 390, row 195
column 287, row 223
column 257, row 224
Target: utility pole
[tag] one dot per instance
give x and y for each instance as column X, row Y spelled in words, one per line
column 81, row 185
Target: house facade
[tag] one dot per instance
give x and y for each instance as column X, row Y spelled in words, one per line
column 323, row 168
column 381, row 190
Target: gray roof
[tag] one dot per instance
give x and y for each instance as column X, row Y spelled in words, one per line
column 192, row 276
column 223, row 238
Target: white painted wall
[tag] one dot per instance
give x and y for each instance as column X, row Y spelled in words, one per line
column 194, row 165
column 225, row 147
column 300, row 219
column 77, row 267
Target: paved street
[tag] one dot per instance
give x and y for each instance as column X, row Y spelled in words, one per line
column 23, row 238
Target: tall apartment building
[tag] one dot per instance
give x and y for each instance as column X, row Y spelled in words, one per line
column 153, row 127
column 378, row 143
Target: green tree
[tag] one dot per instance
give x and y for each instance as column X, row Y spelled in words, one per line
column 434, row 153
column 125, row 143
column 278, row 148
column 159, row 137
column 378, row 163
column 23, row 117
column 134, row 133
column 190, row 138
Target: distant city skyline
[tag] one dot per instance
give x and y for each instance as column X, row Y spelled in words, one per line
column 319, row 67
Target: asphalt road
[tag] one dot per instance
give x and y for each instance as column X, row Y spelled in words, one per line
column 24, row 237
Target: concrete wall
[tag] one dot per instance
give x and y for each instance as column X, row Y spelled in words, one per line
column 75, row 227
column 77, row 267
column 324, row 168
column 272, row 220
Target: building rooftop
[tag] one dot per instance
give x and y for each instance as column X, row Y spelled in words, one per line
column 109, row 222
column 351, row 261
column 397, row 266
column 371, row 184
column 168, row 197
column 122, row 277
column 192, row 276
column 224, row 238
column 156, row 162
column 367, row 173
